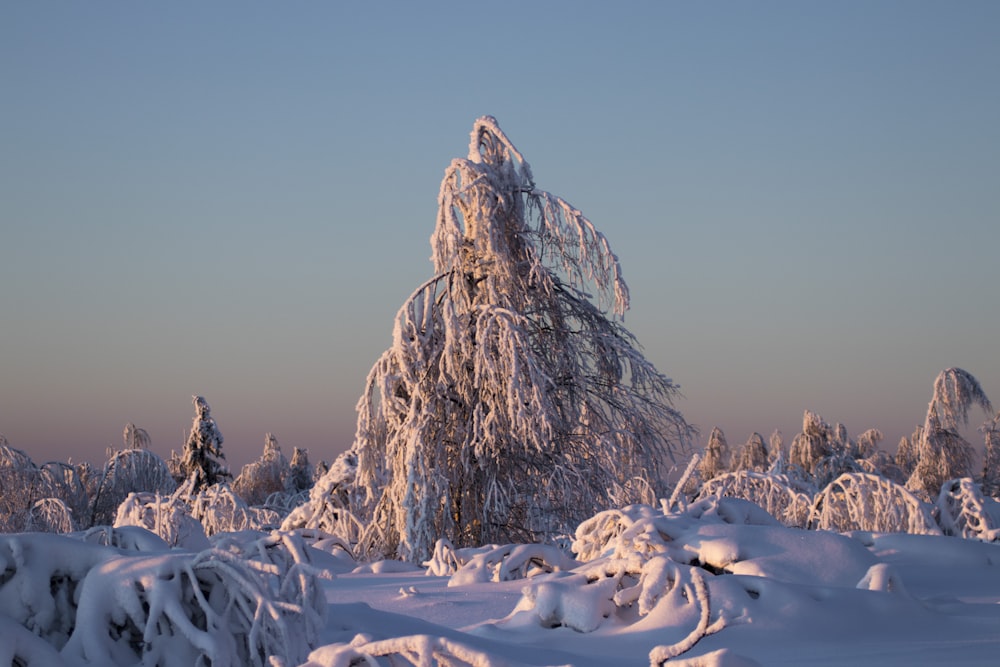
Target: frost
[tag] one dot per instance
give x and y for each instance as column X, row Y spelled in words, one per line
column 509, row 404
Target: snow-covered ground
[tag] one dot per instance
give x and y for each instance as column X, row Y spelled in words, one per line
column 720, row 583
column 781, row 596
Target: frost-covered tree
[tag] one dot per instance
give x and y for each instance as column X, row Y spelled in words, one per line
column 942, row 453
column 202, row 453
column 300, row 477
column 127, row 471
column 259, row 479
column 510, row 402
column 776, row 451
column 716, row 458
column 991, row 456
column 752, row 455
column 813, row 444
column 135, row 437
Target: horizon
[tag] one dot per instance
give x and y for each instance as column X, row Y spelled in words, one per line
column 233, row 201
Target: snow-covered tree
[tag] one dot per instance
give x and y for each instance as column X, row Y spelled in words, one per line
column 135, row 437
column 813, row 444
column 127, row 471
column 301, row 472
column 203, row 451
column 942, row 453
column 752, row 455
column 715, row 461
column 776, row 451
column 509, row 402
column 268, row 474
column 991, row 456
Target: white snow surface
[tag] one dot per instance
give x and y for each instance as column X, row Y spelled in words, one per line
column 720, row 584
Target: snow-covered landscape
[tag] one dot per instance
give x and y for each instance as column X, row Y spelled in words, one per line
column 522, row 490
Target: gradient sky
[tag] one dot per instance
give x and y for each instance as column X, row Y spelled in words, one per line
column 233, row 200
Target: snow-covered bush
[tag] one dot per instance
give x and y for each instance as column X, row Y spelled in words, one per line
column 780, row 496
column 509, row 403
column 861, row 501
column 40, row 577
column 511, row 561
column 180, row 609
column 257, row 603
column 220, row 510
column 169, row 517
column 50, row 515
column 128, row 471
column 963, row 511
column 327, row 509
column 19, row 479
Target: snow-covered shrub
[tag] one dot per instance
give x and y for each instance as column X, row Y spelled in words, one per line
column 126, row 538
column 509, row 402
column 128, row 471
column 179, row 609
column 627, row 589
column 220, row 510
column 40, row 578
column 779, row 495
column 169, row 517
column 63, row 481
column 50, row 515
column 417, row 650
column 20, row 647
column 19, row 480
column 963, row 511
column 327, row 508
column 860, row 501
column 512, row 561
column 598, row 536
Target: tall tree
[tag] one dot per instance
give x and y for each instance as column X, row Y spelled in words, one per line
column 942, row 453
column 202, row 453
column 509, row 402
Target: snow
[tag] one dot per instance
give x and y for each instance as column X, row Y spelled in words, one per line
column 720, row 583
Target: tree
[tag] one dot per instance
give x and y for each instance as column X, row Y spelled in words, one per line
column 717, row 455
column 202, row 453
column 268, row 474
column 509, row 402
column 753, row 455
column 942, row 453
column 813, row 444
column 991, row 456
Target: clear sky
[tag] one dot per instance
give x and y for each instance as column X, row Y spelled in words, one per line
column 233, row 200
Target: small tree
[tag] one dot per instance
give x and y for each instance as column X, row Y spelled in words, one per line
column 753, row 455
column 991, row 456
column 509, row 402
column 717, row 456
column 259, row 479
column 813, row 444
column 202, row 453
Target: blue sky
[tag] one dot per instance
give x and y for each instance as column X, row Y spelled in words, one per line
column 233, row 200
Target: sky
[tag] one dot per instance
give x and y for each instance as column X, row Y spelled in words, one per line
column 233, row 200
